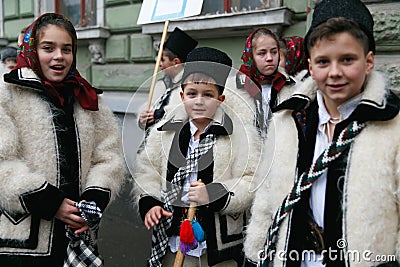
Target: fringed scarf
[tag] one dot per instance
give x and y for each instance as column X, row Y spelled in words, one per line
column 28, row 58
column 249, row 68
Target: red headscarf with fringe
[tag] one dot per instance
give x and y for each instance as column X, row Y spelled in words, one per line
column 249, row 68
column 28, row 58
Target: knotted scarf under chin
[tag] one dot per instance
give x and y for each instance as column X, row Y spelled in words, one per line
column 82, row 90
column 254, row 87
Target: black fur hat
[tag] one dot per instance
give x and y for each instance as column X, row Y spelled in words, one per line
column 209, row 61
column 351, row 9
column 180, row 43
column 8, row 52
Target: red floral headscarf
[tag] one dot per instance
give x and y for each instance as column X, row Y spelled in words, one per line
column 296, row 59
column 249, row 68
column 28, row 58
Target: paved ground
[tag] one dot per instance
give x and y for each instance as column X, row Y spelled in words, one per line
column 123, row 240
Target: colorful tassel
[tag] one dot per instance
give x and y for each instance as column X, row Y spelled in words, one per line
column 186, row 234
column 198, row 231
column 190, row 235
column 186, row 247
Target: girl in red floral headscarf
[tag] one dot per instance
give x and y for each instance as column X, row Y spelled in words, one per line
column 59, row 146
column 259, row 74
column 293, row 57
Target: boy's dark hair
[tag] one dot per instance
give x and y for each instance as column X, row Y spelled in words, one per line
column 338, row 25
column 169, row 54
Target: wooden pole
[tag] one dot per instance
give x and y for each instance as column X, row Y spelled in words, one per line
column 159, row 56
column 180, row 257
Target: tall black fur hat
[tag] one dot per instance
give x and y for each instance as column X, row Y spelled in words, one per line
column 211, row 62
column 180, row 43
column 351, row 9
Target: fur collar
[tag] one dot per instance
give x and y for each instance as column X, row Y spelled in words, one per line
column 377, row 103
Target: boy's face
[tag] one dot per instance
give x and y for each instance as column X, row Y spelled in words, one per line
column 265, row 54
column 10, row 63
column 201, row 101
column 166, row 65
column 339, row 66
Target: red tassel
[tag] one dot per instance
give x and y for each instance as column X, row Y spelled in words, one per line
column 186, row 234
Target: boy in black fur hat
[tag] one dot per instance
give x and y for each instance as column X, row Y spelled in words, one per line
column 176, row 49
column 336, row 178
column 8, row 58
column 199, row 154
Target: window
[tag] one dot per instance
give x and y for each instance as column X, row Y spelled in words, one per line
column 82, row 13
column 230, row 6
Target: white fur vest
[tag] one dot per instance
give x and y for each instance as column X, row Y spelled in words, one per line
column 371, row 189
column 30, row 160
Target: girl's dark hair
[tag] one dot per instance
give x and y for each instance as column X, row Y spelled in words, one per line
column 338, row 25
column 262, row 32
column 57, row 20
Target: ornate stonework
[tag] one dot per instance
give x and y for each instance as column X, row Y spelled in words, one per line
column 96, row 48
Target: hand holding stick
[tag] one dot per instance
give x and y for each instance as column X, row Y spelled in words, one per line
column 191, row 234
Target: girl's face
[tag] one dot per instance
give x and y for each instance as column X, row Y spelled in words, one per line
column 266, row 54
column 55, row 52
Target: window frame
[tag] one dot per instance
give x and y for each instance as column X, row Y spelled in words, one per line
column 82, row 21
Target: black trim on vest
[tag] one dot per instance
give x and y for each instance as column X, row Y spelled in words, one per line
column 306, row 153
column 97, row 194
column 43, row 201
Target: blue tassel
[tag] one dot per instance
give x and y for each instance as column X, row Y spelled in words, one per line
column 198, row 231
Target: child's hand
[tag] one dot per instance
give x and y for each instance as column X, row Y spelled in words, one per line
column 69, row 214
column 146, row 117
column 198, row 193
column 154, row 215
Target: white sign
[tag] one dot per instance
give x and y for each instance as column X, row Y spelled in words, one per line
column 162, row 10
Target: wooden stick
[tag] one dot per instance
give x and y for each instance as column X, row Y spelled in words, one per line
column 159, row 56
column 180, row 257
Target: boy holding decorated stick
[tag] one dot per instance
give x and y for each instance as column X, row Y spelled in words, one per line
column 199, row 154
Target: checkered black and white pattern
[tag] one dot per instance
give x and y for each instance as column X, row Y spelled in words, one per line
column 164, row 97
column 81, row 250
column 159, row 237
column 81, row 254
